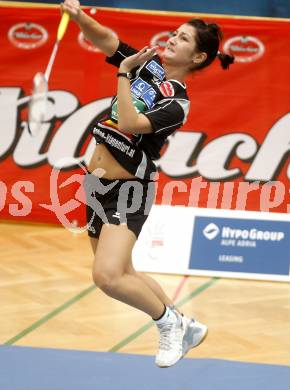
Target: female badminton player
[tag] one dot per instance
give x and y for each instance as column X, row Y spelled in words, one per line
column 151, row 103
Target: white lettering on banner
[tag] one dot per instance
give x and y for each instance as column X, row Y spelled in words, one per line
column 246, row 243
column 212, row 160
column 27, row 35
column 252, row 234
column 27, row 151
column 181, row 144
column 60, row 104
column 228, row 242
column 222, row 149
column 231, row 259
column 68, row 138
column 8, row 117
column 219, row 150
column 273, row 152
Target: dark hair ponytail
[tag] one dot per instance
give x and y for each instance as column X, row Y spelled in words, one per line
column 208, row 39
column 225, row 60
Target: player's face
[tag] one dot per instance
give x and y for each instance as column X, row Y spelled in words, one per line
column 180, row 47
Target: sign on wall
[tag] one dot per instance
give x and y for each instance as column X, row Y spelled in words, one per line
column 207, row 242
column 241, row 245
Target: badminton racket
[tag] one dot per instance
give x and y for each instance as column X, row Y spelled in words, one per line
column 38, row 101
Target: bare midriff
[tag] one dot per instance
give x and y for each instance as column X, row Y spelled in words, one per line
column 105, row 165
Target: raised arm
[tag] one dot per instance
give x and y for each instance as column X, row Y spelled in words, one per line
column 128, row 119
column 99, row 35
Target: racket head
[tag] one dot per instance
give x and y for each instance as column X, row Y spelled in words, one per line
column 38, row 103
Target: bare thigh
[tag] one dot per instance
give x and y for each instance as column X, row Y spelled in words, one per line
column 129, row 266
column 113, row 250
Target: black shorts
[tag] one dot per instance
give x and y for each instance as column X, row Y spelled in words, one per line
column 127, row 201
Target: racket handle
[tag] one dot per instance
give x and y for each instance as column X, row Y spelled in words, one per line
column 62, row 26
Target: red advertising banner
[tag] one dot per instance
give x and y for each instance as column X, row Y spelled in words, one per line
column 232, row 153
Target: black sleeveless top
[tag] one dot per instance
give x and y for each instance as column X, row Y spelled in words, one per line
column 164, row 102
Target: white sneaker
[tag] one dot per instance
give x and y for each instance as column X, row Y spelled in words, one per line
column 176, row 339
column 194, row 335
column 171, row 341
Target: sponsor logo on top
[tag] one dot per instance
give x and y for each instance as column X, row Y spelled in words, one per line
column 149, row 97
column 156, row 69
column 167, row 89
column 27, row 35
column 139, row 87
column 116, row 215
column 244, row 48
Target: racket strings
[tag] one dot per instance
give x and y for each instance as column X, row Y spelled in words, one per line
column 38, row 103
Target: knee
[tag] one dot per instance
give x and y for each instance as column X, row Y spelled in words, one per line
column 106, row 279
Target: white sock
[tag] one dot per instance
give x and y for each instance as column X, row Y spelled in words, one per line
column 168, row 316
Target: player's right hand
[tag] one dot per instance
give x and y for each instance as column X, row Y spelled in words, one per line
column 72, row 7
